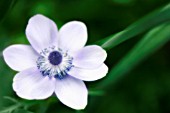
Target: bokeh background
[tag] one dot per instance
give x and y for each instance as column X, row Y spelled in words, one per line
column 145, row 89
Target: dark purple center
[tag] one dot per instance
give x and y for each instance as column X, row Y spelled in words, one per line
column 55, row 58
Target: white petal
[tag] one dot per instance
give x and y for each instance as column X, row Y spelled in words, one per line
column 72, row 92
column 72, row 36
column 30, row 84
column 41, row 32
column 89, row 57
column 20, row 57
column 89, row 74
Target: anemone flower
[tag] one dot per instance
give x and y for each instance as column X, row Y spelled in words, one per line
column 56, row 62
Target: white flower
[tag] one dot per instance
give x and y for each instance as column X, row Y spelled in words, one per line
column 56, row 62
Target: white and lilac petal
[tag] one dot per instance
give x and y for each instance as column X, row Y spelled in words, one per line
column 72, row 36
column 41, row 32
column 89, row 57
column 72, row 92
column 30, row 84
column 20, row 57
column 89, row 74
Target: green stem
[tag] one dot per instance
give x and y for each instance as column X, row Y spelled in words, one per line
column 151, row 20
column 96, row 92
column 9, row 9
column 79, row 111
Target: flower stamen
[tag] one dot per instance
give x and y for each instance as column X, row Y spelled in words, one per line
column 54, row 63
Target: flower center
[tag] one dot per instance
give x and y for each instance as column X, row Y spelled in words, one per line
column 53, row 62
column 55, row 58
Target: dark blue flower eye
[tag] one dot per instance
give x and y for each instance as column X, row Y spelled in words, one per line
column 55, row 57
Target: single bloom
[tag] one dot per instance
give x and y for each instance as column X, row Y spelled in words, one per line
column 56, row 62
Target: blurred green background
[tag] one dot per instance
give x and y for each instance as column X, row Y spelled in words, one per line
column 145, row 89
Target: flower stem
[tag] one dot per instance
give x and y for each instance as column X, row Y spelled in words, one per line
column 96, row 92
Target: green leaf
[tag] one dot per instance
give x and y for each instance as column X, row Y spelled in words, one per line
column 153, row 19
column 149, row 44
column 11, row 99
column 10, row 109
column 22, row 111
